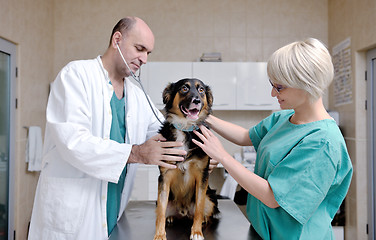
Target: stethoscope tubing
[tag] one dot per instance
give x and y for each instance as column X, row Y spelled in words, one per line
column 138, row 80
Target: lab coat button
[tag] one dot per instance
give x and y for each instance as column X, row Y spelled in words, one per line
column 104, row 225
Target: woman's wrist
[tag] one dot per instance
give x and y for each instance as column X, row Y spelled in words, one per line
column 225, row 158
column 210, row 120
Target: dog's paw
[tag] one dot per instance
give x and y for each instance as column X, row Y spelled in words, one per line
column 196, row 236
column 160, row 237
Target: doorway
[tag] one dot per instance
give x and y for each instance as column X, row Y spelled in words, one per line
column 7, row 160
column 371, row 141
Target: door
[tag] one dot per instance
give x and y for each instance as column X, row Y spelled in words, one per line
column 7, row 82
column 371, row 141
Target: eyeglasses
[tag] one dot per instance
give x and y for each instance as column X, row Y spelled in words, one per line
column 277, row 87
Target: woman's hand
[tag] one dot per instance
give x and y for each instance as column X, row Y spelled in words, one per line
column 210, row 144
column 212, row 165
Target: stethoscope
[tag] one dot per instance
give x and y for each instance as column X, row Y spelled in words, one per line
column 137, row 79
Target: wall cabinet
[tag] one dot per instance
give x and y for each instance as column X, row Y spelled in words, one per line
column 235, row 85
column 145, row 183
column 253, row 87
column 221, row 77
column 159, row 74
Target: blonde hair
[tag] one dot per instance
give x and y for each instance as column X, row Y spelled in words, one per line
column 304, row 65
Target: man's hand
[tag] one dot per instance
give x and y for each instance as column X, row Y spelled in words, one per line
column 157, row 151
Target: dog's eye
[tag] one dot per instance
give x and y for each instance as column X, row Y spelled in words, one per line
column 201, row 90
column 184, row 89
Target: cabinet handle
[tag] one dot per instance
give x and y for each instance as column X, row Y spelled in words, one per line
column 222, row 104
column 261, row 104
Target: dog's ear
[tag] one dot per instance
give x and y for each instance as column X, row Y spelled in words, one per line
column 167, row 93
column 209, row 96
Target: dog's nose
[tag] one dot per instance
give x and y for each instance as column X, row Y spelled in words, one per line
column 196, row 101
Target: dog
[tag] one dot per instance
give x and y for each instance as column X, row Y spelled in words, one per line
column 184, row 191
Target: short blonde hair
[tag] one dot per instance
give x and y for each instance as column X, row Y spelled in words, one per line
column 304, row 65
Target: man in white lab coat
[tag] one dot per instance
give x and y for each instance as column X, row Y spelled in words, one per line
column 99, row 126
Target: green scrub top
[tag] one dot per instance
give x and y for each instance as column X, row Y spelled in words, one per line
column 309, row 171
column 117, row 134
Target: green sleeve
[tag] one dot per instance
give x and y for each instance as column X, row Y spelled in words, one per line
column 301, row 181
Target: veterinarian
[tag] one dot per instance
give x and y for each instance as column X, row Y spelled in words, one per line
column 99, row 125
column 303, row 171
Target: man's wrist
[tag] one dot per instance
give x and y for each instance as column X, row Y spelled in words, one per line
column 133, row 156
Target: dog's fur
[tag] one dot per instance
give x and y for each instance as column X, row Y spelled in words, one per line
column 184, row 191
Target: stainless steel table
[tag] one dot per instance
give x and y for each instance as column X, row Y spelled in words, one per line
column 138, row 223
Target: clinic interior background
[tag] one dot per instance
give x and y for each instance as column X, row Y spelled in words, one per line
column 50, row 33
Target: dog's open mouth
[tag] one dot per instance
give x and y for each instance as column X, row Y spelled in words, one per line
column 191, row 113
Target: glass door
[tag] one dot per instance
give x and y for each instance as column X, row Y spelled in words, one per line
column 371, row 141
column 7, row 80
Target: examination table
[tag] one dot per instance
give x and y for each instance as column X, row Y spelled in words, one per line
column 138, row 223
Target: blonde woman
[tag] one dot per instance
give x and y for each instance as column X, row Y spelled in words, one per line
column 303, row 170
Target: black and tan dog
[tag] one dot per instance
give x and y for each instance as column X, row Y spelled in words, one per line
column 184, row 191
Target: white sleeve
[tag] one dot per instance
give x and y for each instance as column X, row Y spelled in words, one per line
column 69, row 120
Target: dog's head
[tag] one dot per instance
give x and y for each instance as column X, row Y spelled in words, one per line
column 187, row 101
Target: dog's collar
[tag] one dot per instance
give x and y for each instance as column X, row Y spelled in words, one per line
column 185, row 129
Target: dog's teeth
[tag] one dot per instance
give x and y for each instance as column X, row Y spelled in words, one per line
column 170, row 220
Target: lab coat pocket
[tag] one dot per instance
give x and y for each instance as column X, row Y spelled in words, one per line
column 64, row 201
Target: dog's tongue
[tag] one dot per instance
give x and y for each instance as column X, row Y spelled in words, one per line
column 191, row 113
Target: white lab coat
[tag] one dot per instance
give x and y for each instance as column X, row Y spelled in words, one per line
column 79, row 159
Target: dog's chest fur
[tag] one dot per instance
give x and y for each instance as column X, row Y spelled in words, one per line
column 194, row 153
column 182, row 137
